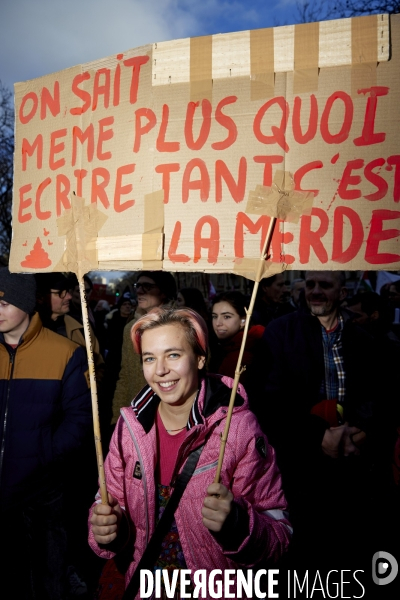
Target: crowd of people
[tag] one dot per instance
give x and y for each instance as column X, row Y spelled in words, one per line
column 312, row 458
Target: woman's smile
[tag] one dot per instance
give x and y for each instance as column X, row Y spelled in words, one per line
column 170, row 366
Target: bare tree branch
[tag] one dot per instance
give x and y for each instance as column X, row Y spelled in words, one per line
column 353, row 8
column 310, row 11
column 323, row 10
column 6, row 170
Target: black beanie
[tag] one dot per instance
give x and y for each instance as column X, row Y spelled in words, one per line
column 18, row 289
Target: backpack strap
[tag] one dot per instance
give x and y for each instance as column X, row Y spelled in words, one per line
column 152, row 551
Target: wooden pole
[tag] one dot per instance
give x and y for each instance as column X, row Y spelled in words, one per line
column 239, row 369
column 93, row 390
column 80, row 225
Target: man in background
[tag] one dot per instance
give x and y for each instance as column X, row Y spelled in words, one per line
column 320, row 385
column 75, row 306
column 54, row 305
column 270, row 303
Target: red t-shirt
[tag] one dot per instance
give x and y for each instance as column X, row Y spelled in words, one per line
column 167, row 451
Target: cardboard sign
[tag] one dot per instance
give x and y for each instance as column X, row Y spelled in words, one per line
column 159, row 151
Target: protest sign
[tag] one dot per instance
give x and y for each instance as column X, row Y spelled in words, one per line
column 168, row 142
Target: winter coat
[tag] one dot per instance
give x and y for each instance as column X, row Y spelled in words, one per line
column 264, row 313
column 45, row 411
column 75, row 332
column 131, row 379
column 290, row 374
column 249, row 471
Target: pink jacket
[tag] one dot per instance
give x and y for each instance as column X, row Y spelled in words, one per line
column 249, row 471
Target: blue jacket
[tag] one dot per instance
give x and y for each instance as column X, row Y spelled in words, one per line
column 45, row 411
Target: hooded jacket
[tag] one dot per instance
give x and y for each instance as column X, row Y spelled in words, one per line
column 249, row 471
column 45, row 411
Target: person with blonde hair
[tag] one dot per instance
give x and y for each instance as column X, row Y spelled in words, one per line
column 176, row 420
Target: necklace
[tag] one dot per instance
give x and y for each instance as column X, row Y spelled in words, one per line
column 171, row 430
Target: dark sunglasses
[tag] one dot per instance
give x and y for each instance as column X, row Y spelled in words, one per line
column 146, row 287
column 60, row 293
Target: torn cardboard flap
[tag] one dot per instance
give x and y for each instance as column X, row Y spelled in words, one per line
column 280, row 201
column 250, row 268
column 80, row 224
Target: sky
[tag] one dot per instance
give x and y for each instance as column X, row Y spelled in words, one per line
column 38, row 37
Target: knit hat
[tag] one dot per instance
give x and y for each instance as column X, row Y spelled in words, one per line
column 18, row 289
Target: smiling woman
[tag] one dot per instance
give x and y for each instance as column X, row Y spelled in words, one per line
column 179, row 414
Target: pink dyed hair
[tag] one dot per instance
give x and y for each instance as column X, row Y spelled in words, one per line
column 194, row 325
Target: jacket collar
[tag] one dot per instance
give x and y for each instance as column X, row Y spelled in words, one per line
column 217, row 395
column 71, row 324
column 213, row 395
column 346, row 314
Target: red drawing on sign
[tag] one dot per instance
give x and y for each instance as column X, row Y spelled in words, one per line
column 45, row 232
column 49, row 243
column 37, row 258
column 26, row 243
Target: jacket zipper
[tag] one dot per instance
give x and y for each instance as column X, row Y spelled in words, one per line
column 3, row 441
column 143, row 475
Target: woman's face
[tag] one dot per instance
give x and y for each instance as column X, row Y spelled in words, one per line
column 148, row 294
column 170, row 366
column 226, row 321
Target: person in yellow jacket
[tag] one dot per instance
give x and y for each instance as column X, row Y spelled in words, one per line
column 53, row 305
column 153, row 289
column 54, row 297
